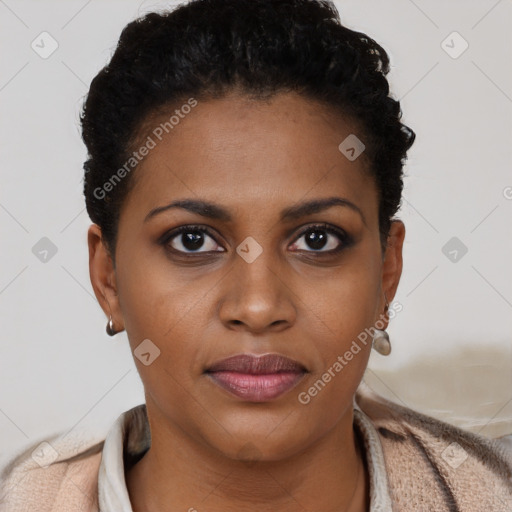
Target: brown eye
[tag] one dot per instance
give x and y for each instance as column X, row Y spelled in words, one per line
column 190, row 240
column 321, row 238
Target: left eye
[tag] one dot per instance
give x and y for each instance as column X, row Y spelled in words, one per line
column 320, row 239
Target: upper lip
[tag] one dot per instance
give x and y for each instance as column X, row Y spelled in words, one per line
column 257, row 365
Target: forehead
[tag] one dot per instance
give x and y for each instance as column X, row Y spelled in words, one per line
column 249, row 152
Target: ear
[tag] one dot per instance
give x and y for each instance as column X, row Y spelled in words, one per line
column 103, row 276
column 392, row 265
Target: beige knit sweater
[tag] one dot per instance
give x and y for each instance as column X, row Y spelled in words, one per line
column 431, row 467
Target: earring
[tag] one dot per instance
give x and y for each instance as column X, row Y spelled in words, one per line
column 110, row 327
column 381, row 341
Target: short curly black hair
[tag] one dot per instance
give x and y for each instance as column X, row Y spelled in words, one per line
column 205, row 49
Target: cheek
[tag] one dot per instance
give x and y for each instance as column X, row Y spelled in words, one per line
column 170, row 320
column 343, row 304
column 338, row 322
column 337, row 317
column 161, row 306
column 343, row 344
column 153, row 296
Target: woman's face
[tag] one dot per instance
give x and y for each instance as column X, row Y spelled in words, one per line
column 257, row 281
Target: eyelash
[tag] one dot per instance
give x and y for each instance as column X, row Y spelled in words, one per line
column 345, row 239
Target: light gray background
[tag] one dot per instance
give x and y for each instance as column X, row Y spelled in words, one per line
column 452, row 354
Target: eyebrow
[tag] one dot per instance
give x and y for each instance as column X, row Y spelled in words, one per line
column 215, row 211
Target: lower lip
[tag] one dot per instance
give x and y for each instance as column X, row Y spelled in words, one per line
column 256, row 388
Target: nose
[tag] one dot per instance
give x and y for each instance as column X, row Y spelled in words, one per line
column 257, row 297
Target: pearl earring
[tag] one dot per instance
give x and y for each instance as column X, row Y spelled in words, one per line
column 381, row 341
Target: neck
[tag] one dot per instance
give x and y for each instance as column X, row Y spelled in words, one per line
column 182, row 473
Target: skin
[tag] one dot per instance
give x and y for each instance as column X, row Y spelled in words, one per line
column 211, row 450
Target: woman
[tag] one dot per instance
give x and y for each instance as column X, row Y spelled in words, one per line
column 245, row 166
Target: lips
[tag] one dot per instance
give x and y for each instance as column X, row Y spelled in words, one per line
column 257, row 365
column 257, row 378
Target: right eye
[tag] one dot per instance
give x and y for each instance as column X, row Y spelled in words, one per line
column 189, row 239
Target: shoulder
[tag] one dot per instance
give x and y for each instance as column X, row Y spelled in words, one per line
column 57, row 474
column 432, row 465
